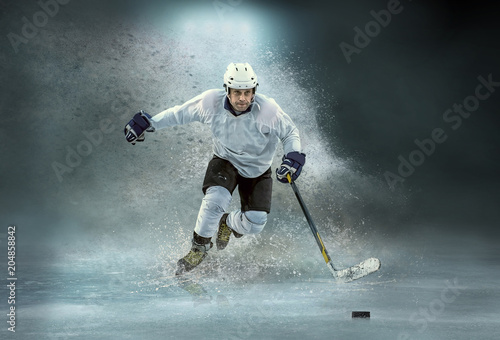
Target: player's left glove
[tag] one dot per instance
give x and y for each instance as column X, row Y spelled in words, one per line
column 134, row 130
column 292, row 164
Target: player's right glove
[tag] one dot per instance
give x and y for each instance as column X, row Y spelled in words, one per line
column 134, row 130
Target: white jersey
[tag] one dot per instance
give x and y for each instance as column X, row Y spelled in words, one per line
column 248, row 140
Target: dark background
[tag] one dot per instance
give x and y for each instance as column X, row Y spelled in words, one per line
column 394, row 91
column 397, row 89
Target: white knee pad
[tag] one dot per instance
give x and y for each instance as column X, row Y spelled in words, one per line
column 252, row 222
column 213, row 206
column 217, row 198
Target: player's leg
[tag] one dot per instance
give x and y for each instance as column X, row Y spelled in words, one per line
column 218, row 185
column 255, row 195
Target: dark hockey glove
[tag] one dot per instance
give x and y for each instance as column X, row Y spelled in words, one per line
column 292, row 164
column 134, row 130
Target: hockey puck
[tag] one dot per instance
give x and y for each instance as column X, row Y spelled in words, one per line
column 361, row 315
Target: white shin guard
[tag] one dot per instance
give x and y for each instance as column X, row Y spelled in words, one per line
column 213, row 206
column 248, row 222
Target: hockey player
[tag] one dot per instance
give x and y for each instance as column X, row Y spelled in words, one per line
column 246, row 129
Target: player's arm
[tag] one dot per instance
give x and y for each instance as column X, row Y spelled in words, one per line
column 193, row 110
column 294, row 159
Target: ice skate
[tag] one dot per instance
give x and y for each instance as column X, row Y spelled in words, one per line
column 224, row 233
column 195, row 256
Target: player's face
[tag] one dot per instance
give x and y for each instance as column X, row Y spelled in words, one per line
column 240, row 99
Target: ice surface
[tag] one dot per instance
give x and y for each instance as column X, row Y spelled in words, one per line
column 429, row 292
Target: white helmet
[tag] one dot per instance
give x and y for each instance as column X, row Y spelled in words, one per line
column 240, row 76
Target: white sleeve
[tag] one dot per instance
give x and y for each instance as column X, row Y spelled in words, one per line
column 289, row 135
column 272, row 115
column 194, row 110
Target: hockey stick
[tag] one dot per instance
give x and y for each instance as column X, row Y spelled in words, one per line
column 344, row 275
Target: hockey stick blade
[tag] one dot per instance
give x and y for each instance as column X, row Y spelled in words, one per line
column 344, row 275
column 358, row 271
